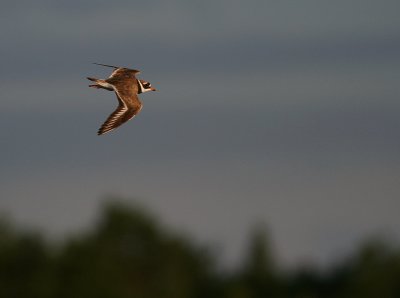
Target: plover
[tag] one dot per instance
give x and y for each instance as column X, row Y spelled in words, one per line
column 126, row 86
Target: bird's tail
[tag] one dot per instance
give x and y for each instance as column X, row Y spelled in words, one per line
column 100, row 84
column 95, row 85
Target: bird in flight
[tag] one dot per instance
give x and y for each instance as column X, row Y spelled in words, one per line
column 126, row 86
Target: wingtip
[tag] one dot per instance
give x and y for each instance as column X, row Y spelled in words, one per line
column 100, row 132
column 103, row 131
column 117, row 67
column 106, row 65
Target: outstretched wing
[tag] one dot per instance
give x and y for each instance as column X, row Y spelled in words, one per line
column 112, row 66
column 120, row 72
column 125, row 111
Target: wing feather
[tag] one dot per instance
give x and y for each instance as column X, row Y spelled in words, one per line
column 124, row 112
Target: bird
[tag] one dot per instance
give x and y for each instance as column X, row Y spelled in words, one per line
column 126, row 86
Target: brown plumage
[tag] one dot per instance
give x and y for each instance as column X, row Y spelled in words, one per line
column 126, row 86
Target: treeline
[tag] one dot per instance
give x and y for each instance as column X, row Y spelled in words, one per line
column 129, row 254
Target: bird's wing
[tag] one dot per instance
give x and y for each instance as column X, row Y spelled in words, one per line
column 120, row 71
column 126, row 110
column 112, row 66
column 123, row 73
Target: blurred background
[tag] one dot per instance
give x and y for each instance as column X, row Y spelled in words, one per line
column 266, row 165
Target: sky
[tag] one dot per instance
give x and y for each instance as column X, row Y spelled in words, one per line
column 280, row 113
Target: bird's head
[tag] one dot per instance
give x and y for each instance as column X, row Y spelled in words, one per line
column 146, row 86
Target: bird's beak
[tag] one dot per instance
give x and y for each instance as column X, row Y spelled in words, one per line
column 153, row 89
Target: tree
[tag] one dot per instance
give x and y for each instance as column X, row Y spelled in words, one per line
column 259, row 277
column 25, row 264
column 130, row 255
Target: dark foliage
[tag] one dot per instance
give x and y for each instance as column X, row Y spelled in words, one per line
column 128, row 254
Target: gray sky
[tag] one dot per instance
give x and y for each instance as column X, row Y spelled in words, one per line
column 278, row 112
